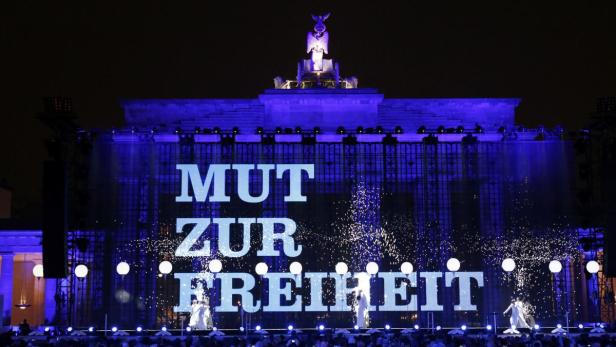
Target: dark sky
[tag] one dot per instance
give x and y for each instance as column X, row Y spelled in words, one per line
column 557, row 56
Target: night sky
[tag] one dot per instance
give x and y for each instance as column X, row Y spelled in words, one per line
column 557, row 56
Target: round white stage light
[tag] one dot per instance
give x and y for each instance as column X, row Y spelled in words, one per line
column 508, row 264
column 342, row 268
column 372, row 268
column 261, row 269
column 165, row 267
column 215, row 266
column 453, row 264
column 295, row 268
column 123, row 268
column 555, row 266
column 406, row 268
column 81, row 271
column 37, row 270
column 592, row 267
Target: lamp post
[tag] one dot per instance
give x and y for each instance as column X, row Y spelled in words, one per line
column 261, row 270
column 215, row 266
column 372, row 269
column 37, row 271
column 81, row 271
column 407, row 269
column 165, row 267
column 341, row 269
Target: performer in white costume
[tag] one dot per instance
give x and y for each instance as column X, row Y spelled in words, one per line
column 206, row 316
column 200, row 316
column 517, row 320
column 361, row 310
column 194, row 314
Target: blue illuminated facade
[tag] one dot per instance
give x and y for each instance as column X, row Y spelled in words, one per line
column 395, row 180
column 441, row 175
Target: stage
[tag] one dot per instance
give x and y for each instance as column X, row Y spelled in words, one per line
column 308, row 336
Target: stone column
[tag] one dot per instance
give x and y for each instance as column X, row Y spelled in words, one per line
column 6, row 287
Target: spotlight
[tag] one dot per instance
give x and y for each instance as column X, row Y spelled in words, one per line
column 387, row 327
column 559, row 326
column 581, row 326
column 188, row 329
column 421, row 130
column 259, row 130
column 460, row 129
column 242, row 329
column 416, row 326
column 197, row 130
column 163, row 329
column 489, row 327
column 216, row 130
column 340, row 130
column 536, row 327
column 258, row 328
column 438, row 328
column 214, row 328
column 47, row 329
column 316, row 130
column 398, row 130
column 360, row 130
column 463, row 327
column 278, row 130
column 478, row 129
column 114, row 329
column 321, row 327
column 69, row 329
column 235, row 130
column 440, row 129
column 501, row 130
column 356, row 327
column 379, row 129
column 139, row 329
column 91, row 329
column 290, row 327
column 178, row 130
column 298, row 130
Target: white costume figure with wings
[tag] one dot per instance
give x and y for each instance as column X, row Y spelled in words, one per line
column 517, row 317
column 200, row 315
column 361, row 309
column 317, row 42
